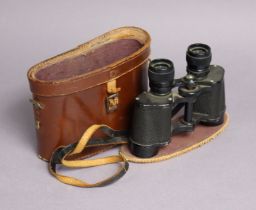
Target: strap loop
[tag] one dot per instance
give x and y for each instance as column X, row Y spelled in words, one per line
column 61, row 156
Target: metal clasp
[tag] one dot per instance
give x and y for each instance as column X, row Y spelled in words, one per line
column 112, row 100
column 36, row 104
column 37, row 124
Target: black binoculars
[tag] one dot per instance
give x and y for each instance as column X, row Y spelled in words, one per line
column 200, row 94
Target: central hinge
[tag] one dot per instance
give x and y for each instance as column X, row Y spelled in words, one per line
column 112, row 99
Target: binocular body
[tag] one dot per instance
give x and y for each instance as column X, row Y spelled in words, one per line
column 200, row 95
column 151, row 124
column 211, row 103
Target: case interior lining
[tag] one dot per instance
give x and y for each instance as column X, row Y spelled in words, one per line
column 94, row 59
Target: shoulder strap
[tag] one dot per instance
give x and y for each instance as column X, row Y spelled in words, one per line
column 62, row 156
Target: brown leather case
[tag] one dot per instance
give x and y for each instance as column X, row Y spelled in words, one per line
column 94, row 83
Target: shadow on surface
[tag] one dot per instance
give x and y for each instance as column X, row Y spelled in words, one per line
column 19, row 113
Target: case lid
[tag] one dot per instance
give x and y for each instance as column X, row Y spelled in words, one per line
column 96, row 62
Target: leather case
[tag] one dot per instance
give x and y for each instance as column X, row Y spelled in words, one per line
column 94, row 83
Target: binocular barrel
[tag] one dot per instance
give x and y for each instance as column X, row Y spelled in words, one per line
column 201, row 92
column 151, row 125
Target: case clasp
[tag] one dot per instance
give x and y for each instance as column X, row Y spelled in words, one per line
column 112, row 100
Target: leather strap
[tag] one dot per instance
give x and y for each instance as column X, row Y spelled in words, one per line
column 61, row 156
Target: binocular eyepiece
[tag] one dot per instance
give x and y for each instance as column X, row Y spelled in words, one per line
column 200, row 92
column 198, row 58
column 161, row 76
column 161, row 71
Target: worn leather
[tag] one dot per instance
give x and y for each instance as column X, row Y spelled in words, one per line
column 72, row 87
column 62, row 156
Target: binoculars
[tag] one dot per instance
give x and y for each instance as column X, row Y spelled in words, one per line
column 200, row 94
